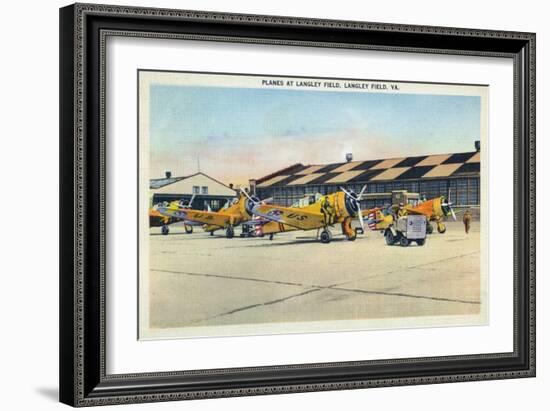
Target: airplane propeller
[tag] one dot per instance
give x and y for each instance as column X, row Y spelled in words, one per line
column 181, row 203
column 357, row 203
column 448, row 205
column 190, row 203
column 254, row 200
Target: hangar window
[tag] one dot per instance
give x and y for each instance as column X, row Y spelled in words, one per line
column 452, row 193
column 473, row 191
column 433, row 188
column 462, row 191
column 196, row 190
column 204, row 190
column 411, row 186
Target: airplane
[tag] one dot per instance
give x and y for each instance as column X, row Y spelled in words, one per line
column 267, row 227
column 234, row 213
column 340, row 207
column 158, row 219
column 435, row 210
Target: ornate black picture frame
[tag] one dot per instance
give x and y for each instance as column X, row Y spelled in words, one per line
column 83, row 30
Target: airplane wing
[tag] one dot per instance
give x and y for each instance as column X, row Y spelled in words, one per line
column 202, row 217
column 412, row 211
column 294, row 217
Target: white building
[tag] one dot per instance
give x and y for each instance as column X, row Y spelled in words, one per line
column 207, row 190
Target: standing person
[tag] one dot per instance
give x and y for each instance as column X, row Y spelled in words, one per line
column 467, row 219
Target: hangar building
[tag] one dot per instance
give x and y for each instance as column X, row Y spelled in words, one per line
column 454, row 175
column 208, row 191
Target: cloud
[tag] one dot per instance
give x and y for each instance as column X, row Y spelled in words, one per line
column 237, row 163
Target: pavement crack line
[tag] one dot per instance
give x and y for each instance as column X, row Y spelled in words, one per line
column 229, row 277
column 425, row 297
column 248, row 307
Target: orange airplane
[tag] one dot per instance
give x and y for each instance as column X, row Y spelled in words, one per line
column 340, row 207
column 434, row 210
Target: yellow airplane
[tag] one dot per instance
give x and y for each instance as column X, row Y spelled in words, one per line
column 340, row 207
column 233, row 214
column 157, row 219
column 267, row 227
column 435, row 210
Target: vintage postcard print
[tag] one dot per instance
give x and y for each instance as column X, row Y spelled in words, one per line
column 273, row 204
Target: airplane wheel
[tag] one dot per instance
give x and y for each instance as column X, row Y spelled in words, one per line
column 212, row 233
column 271, row 237
column 165, row 230
column 404, row 242
column 429, row 228
column 390, row 239
column 188, row 229
column 229, row 232
column 352, row 237
column 325, row 236
column 421, row 242
column 441, row 228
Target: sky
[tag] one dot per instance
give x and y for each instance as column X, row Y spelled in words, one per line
column 240, row 133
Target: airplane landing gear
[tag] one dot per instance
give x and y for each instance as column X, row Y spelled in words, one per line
column 188, row 229
column 326, row 236
column 441, row 228
column 211, row 232
column 348, row 231
column 429, row 228
column 390, row 238
column 229, row 232
column 352, row 237
column 271, row 237
column 165, row 230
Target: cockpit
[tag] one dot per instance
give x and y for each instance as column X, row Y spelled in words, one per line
column 307, row 200
column 230, row 203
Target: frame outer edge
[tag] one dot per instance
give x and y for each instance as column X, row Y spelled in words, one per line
column 531, row 141
column 66, row 199
column 245, row 18
column 73, row 189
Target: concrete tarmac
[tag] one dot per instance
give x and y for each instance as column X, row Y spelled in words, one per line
column 202, row 280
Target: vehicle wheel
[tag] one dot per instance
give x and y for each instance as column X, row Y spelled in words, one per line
column 352, row 237
column 229, row 232
column 325, row 236
column 421, row 241
column 188, row 228
column 165, row 230
column 390, row 239
column 429, row 228
column 271, row 237
column 404, row 242
column 441, row 228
